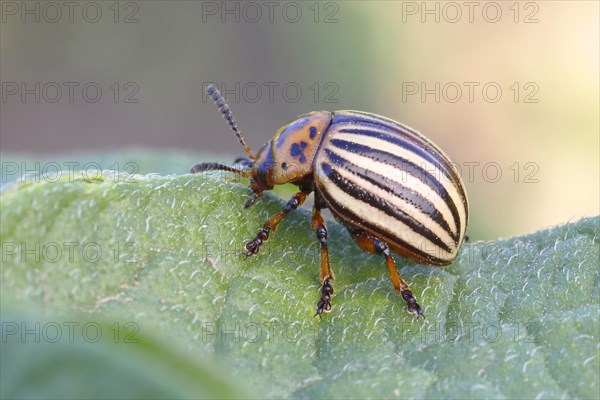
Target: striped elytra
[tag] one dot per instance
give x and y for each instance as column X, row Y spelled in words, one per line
column 392, row 182
column 391, row 187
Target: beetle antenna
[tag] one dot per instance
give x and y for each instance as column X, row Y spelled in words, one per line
column 224, row 108
column 210, row 166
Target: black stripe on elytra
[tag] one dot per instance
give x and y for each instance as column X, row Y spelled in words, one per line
column 422, row 151
column 396, row 189
column 405, row 131
column 346, row 215
column 404, row 165
column 381, row 204
column 368, row 120
column 365, row 117
column 446, row 167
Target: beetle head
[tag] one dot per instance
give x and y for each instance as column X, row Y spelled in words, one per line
column 286, row 158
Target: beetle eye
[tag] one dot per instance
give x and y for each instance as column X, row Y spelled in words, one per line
column 243, row 162
column 284, row 166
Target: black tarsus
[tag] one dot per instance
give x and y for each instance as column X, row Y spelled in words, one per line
column 324, row 304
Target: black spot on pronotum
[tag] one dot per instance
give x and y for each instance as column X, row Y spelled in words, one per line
column 297, row 151
column 313, row 132
column 284, row 166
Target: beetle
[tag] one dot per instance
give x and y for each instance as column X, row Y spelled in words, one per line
column 392, row 188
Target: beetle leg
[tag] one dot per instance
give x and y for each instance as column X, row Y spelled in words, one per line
column 400, row 285
column 318, row 225
column 373, row 245
column 252, row 199
column 271, row 224
column 324, row 304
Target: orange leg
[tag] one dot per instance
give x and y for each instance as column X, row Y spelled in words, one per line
column 271, row 224
column 373, row 245
column 318, row 225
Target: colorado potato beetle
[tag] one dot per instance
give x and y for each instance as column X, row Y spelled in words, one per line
column 391, row 187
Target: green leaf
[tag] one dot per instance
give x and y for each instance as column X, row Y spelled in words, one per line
column 512, row 318
column 82, row 358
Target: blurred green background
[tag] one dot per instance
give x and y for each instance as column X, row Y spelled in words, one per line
column 529, row 155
